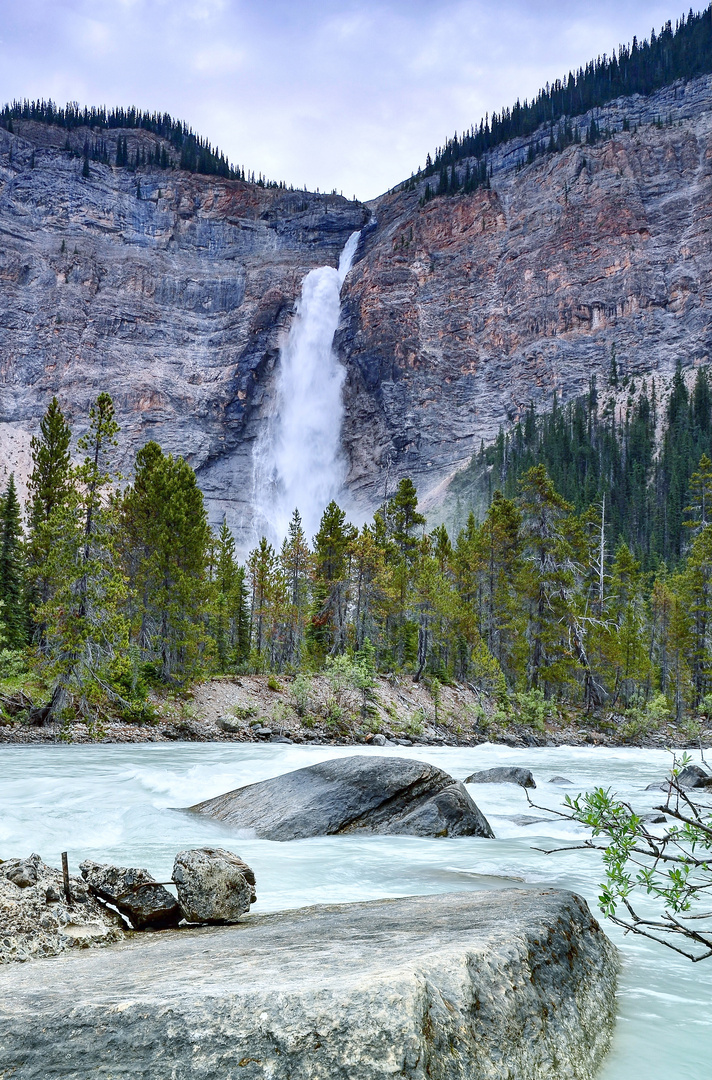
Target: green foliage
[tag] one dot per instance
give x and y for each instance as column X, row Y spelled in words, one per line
column 273, row 684
column 533, row 708
column 301, row 692
column 671, row 865
column 13, row 609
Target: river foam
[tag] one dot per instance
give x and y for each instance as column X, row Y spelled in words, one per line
column 112, row 803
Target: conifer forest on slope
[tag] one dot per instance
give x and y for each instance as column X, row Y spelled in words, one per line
column 587, row 582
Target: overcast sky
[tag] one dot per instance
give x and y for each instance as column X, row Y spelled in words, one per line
column 348, row 95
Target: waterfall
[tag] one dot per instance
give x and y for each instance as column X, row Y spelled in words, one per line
column 298, row 460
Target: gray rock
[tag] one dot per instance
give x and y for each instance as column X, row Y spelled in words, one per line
column 460, row 986
column 134, row 892
column 35, row 918
column 360, row 793
column 503, row 775
column 692, row 776
column 379, row 740
column 214, row 885
column 526, row 819
column 560, row 780
column 280, row 739
column 230, row 724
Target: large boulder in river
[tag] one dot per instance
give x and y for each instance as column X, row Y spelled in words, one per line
column 353, row 794
column 134, row 892
column 692, row 776
column 485, row 985
column 503, row 775
column 214, row 886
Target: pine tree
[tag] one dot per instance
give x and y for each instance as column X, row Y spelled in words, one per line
column 170, row 583
column 50, row 487
column 546, row 579
column 86, row 627
column 333, row 545
column 13, row 611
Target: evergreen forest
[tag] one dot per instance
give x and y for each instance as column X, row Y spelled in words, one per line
column 682, row 52
column 568, row 591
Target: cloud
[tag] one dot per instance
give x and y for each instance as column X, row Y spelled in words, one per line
column 350, row 98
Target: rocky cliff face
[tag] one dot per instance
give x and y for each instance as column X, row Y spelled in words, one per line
column 167, row 289
column 462, row 312
column 173, row 291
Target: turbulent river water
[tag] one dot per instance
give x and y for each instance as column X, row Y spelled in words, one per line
column 113, row 803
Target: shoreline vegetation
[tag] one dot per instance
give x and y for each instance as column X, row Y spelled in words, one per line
column 260, row 709
column 122, row 611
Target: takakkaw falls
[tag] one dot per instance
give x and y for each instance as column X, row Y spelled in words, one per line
column 298, row 461
column 356, row 597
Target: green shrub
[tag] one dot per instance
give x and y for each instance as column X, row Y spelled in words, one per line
column 13, row 662
column 301, row 694
column 534, row 709
column 273, row 684
column 243, row 712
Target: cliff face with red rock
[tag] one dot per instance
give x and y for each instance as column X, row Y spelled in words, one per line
column 169, row 290
column 461, row 312
column 173, row 291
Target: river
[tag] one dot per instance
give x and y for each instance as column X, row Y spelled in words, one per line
column 113, row 804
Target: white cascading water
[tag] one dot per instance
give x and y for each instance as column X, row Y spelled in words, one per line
column 298, row 460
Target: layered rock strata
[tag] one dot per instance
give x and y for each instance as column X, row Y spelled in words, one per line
column 173, row 292
column 169, row 290
column 462, row 985
column 461, row 312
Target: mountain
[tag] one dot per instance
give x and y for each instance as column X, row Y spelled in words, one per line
column 463, row 311
column 172, row 289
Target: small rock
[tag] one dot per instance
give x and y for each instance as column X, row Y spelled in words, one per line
column 503, row 775
column 23, row 873
column 560, row 780
column 51, row 895
column 280, row 739
column 230, row 724
column 214, row 885
column 653, row 819
column 261, row 732
column 134, row 892
column 526, row 819
column 378, row 740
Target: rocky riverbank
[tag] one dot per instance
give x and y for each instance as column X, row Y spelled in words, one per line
column 315, row 710
column 431, row 986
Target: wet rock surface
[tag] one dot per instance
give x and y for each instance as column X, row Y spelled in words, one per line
column 214, row 885
column 134, row 892
column 503, row 775
column 37, row 921
column 484, row 986
column 345, row 795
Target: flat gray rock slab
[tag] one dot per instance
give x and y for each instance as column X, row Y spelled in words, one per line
column 352, row 794
column 469, row 986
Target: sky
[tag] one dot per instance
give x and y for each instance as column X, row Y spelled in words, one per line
column 347, row 95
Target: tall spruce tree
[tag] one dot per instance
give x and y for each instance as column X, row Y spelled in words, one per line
column 13, row 610
column 50, row 487
column 85, row 620
column 169, row 581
